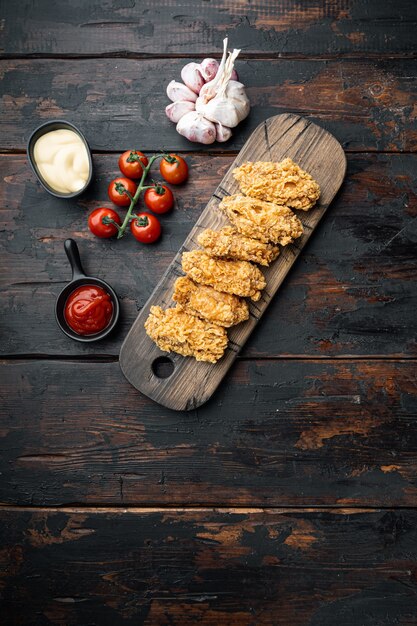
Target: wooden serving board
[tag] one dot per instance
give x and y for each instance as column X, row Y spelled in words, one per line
column 191, row 382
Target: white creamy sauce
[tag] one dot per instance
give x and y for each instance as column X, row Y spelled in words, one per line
column 62, row 160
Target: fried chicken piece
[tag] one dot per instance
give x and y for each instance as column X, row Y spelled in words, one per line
column 229, row 244
column 238, row 277
column 261, row 220
column 283, row 183
column 206, row 302
column 174, row 330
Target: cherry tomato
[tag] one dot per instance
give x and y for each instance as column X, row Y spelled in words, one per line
column 116, row 193
column 132, row 163
column 159, row 199
column 146, row 228
column 102, row 229
column 174, row 169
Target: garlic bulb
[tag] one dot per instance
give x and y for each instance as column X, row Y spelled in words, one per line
column 223, row 133
column 191, row 75
column 177, row 109
column 196, row 128
column 224, row 100
column 211, row 102
column 178, row 91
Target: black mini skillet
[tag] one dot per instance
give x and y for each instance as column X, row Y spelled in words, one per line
column 79, row 279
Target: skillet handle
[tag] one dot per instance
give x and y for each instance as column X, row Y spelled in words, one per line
column 73, row 255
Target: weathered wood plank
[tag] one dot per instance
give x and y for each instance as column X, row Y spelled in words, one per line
column 366, row 104
column 352, row 293
column 275, row 433
column 196, row 26
column 269, row 568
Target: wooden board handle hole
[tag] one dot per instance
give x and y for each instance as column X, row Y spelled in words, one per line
column 163, row 367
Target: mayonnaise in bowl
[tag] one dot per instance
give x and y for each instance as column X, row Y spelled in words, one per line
column 62, row 160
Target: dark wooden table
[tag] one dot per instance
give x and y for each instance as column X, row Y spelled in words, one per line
column 290, row 498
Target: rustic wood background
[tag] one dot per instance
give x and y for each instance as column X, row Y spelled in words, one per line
column 291, row 497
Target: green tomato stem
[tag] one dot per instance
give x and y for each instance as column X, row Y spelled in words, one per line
column 108, row 220
column 134, row 200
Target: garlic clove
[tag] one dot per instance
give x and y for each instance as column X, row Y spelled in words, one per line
column 196, row 128
column 209, row 68
column 236, row 93
column 223, row 133
column 178, row 91
column 177, row 109
column 192, row 77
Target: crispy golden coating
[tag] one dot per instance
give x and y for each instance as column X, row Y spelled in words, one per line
column 206, row 302
column 174, row 330
column 238, row 277
column 283, row 183
column 261, row 220
column 227, row 243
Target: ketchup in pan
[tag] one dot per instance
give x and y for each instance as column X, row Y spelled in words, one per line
column 88, row 310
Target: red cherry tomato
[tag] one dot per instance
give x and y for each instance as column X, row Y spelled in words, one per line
column 116, row 193
column 97, row 222
column 174, row 169
column 146, row 228
column 132, row 163
column 159, row 199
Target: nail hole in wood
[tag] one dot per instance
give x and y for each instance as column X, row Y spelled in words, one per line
column 163, row 367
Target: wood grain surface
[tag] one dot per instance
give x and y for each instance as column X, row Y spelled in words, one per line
column 249, row 567
column 277, row 433
column 367, row 104
column 284, row 27
column 336, row 303
column 192, row 383
column 322, row 428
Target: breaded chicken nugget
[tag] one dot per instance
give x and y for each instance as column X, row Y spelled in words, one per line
column 283, row 183
column 174, row 330
column 206, row 302
column 261, row 220
column 238, row 277
column 229, row 244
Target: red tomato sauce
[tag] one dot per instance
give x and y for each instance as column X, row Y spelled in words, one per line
column 88, row 310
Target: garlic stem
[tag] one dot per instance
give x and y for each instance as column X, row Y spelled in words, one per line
column 208, row 91
column 227, row 71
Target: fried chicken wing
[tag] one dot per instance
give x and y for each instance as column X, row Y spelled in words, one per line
column 227, row 243
column 283, row 183
column 214, row 306
column 174, row 330
column 238, row 277
column 261, row 220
